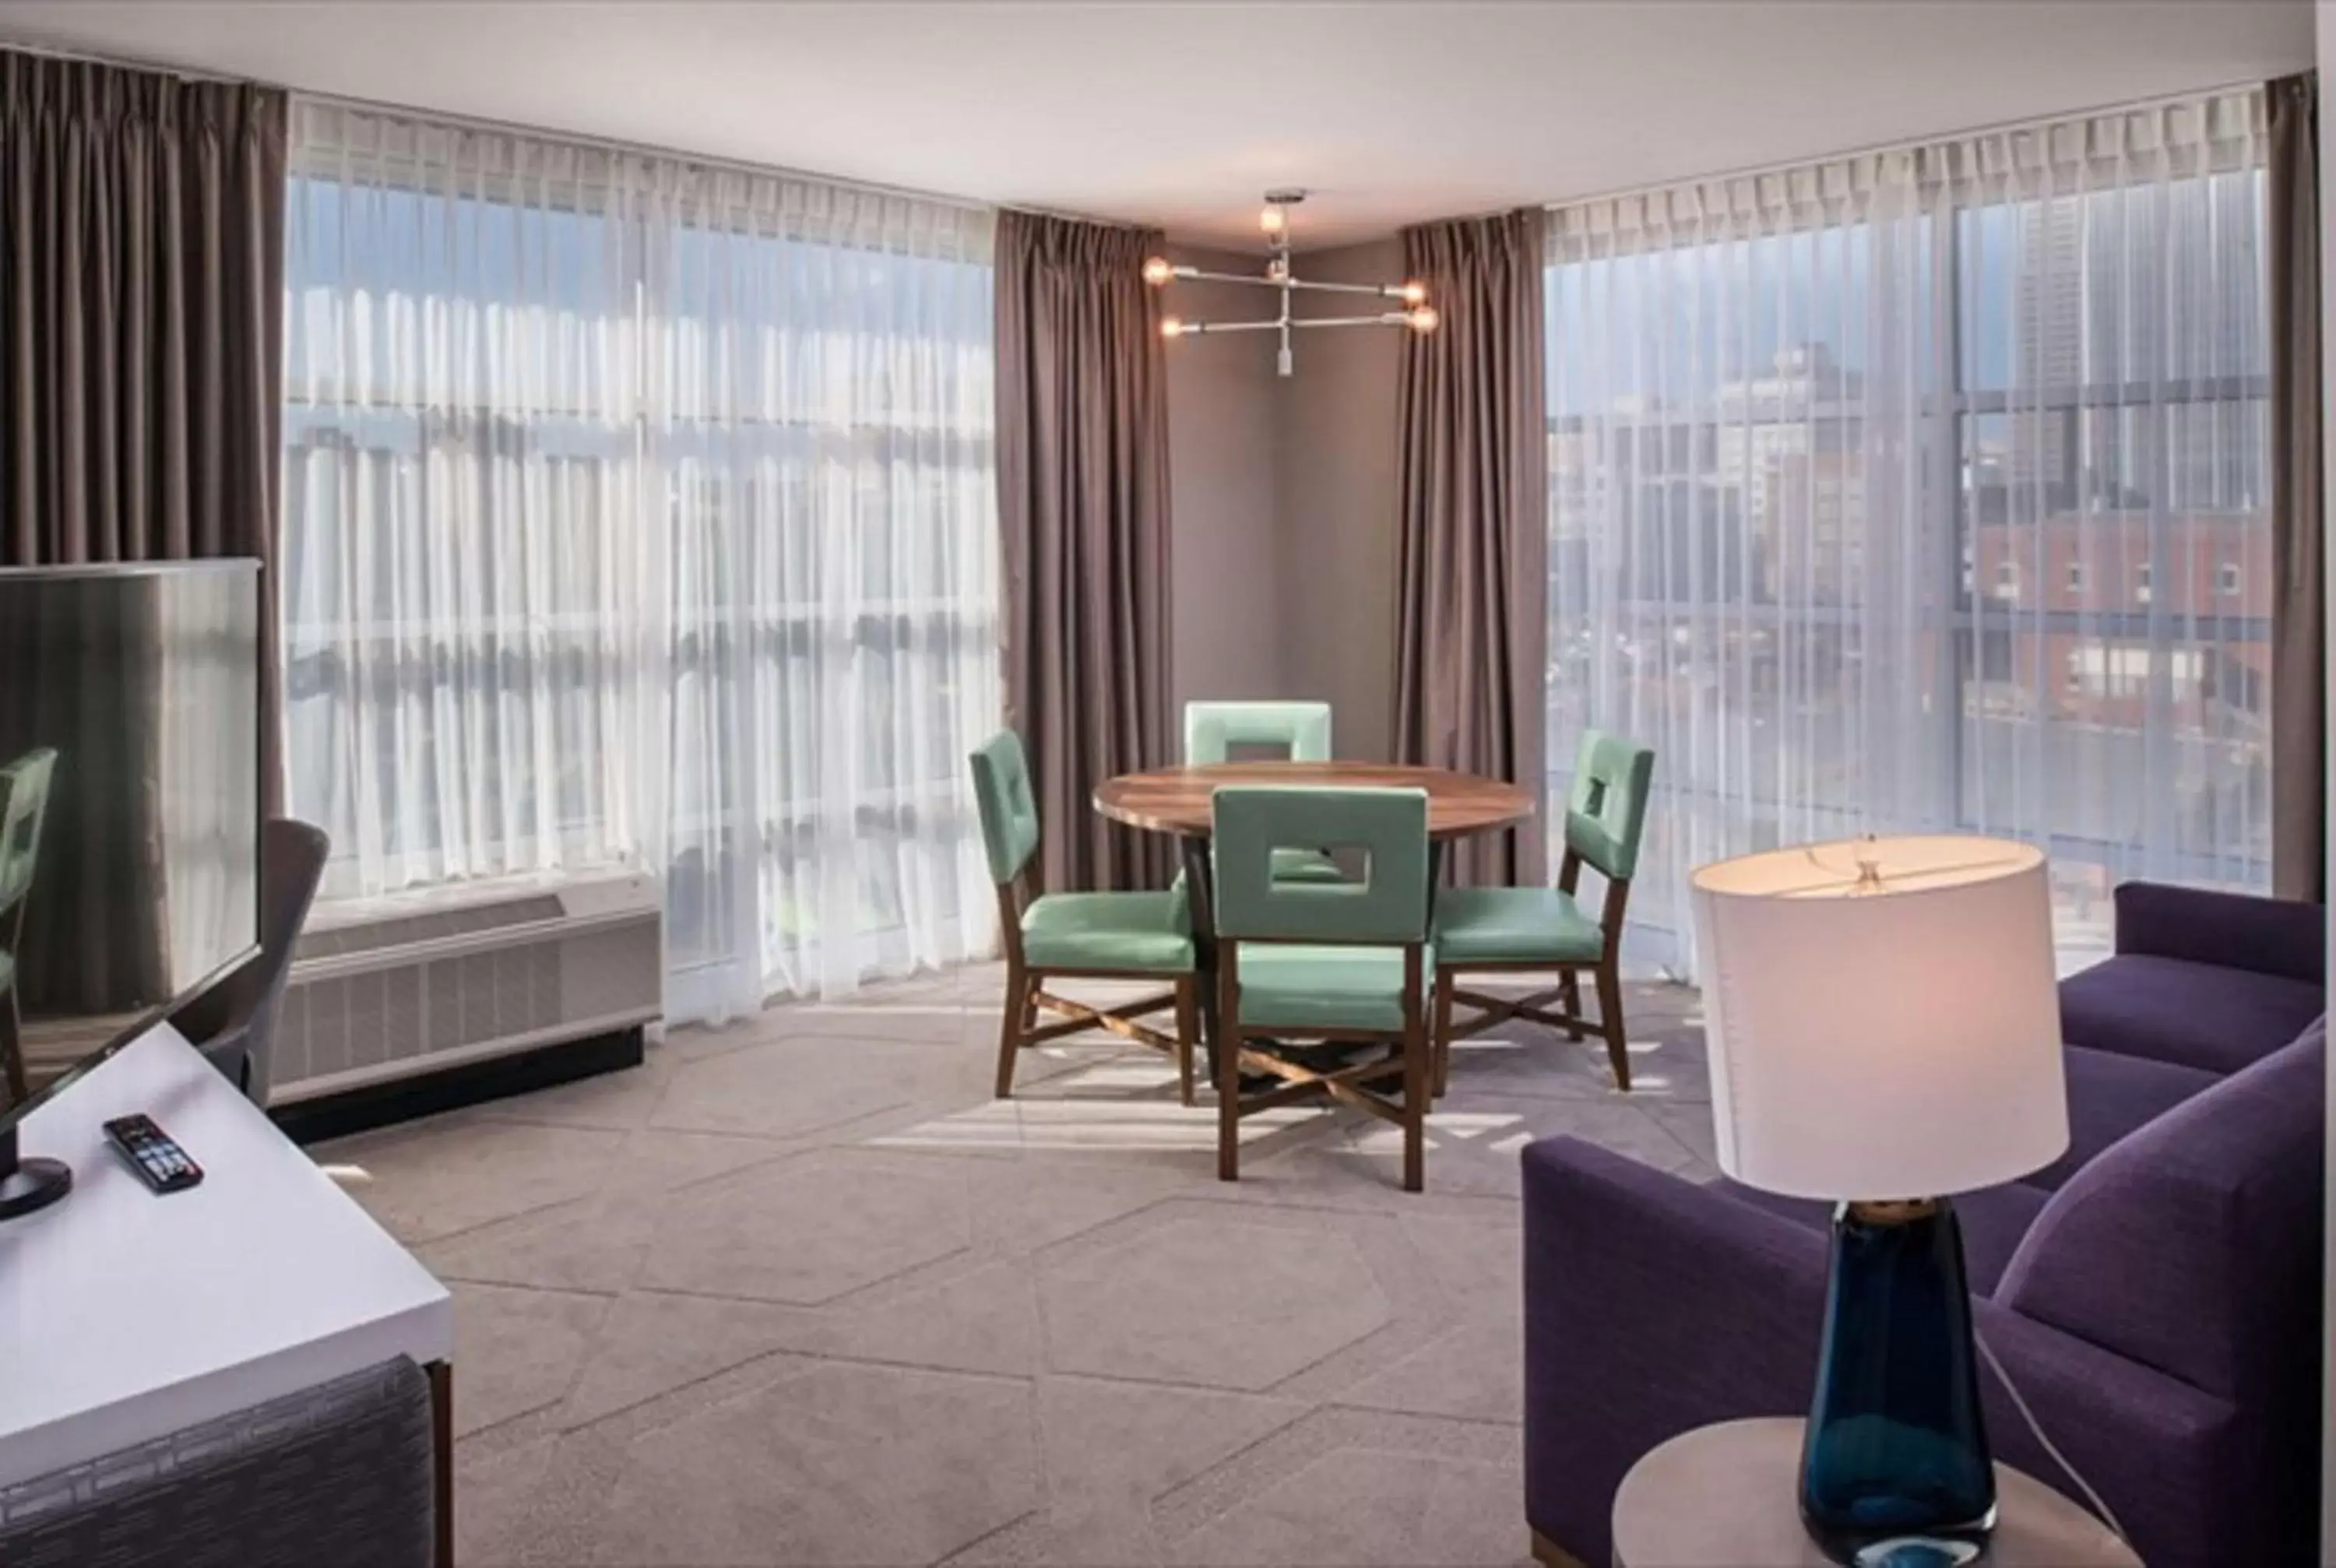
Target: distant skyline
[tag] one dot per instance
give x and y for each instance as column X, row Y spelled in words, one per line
column 2067, row 292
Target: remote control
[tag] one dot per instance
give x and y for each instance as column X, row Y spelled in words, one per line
column 160, row 1163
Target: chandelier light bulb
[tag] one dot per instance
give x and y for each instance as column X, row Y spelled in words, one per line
column 1398, row 304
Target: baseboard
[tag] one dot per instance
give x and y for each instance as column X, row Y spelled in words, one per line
column 450, row 1088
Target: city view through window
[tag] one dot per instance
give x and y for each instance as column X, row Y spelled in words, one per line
column 1954, row 519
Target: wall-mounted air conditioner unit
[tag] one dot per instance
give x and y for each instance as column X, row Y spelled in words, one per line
column 384, row 989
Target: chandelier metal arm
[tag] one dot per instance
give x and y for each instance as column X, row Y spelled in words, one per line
column 1417, row 313
column 1202, row 328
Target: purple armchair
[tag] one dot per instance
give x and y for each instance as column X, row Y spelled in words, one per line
column 2155, row 1295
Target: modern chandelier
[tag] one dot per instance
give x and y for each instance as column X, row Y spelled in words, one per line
column 1415, row 314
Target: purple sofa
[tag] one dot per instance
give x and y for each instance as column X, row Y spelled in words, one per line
column 2155, row 1294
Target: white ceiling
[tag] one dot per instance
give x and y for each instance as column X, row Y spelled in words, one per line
column 1180, row 113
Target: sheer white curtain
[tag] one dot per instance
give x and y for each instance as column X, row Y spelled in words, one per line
column 471, row 599
column 1926, row 490
column 821, row 421
column 639, row 512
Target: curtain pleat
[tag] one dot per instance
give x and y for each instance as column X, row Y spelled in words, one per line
column 1473, row 481
column 641, row 514
column 1083, row 515
column 1929, row 491
column 141, row 355
column 2299, row 611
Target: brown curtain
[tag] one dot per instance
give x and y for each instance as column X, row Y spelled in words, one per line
column 1473, row 485
column 1083, row 506
column 142, row 302
column 2299, row 694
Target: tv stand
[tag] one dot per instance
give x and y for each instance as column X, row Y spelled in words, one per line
column 31, row 1183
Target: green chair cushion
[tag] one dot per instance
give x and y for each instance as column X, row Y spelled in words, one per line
column 1009, row 806
column 1141, row 933
column 1513, row 925
column 1324, row 987
column 1606, row 812
column 1212, row 729
column 1387, row 906
column 1305, row 866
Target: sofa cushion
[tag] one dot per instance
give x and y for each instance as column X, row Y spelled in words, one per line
column 2192, row 1245
column 2109, row 1096
column 2193, row 1015
column 1993, row 1221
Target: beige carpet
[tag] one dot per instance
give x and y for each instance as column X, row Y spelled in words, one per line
column 801, row 1292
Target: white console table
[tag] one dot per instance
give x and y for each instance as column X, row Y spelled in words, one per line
column 126, row 1316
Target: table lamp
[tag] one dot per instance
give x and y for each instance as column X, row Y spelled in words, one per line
column 1884, row 1031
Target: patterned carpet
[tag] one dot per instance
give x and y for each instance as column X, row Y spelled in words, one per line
column 800, row 1292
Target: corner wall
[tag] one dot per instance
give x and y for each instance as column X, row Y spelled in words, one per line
column 1335, row 486
column 1284, row 497
column 1225, row 406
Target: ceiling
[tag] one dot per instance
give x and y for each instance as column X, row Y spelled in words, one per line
column 1180, row 114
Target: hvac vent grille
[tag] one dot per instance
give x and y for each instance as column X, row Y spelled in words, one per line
column 373, row 936
column 532, row 986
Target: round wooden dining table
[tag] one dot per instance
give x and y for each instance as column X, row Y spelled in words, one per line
column 1181, row 800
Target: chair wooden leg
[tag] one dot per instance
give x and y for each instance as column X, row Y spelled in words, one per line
column 1609, row 1020
column 1443, row 1033
column 1017, row 1015
column 1416, row 1072
column 1188, row 1030
column 1228, row 1071
column 1568, row 996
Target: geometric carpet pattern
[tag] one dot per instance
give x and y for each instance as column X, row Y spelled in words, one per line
column 801, row 1292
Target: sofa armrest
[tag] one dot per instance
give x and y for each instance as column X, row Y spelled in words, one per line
column 2177, row 1465
column 1652, row 1307
column 2280, row 936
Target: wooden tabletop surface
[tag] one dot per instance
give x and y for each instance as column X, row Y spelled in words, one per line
column 1176, row 800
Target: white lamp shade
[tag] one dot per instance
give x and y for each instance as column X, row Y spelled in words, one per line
column 1898, row 1039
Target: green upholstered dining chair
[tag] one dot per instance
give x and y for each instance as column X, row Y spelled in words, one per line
column 1544, row 930
column 1212, row 730
column 1113, row 936
column 1338, row 962
column 24, row 801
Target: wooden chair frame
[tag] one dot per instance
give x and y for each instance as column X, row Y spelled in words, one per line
column 1607, row 972
column 1347, row 1085
column 1026, row 996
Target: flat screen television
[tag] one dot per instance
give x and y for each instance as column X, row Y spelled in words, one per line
column 142, row 685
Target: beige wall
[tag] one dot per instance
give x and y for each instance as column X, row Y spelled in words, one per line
column 1336, row 497
column 1285, row 506
column 1224, row 403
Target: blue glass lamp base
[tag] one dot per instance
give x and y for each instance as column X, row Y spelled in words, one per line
column 1895, row 1471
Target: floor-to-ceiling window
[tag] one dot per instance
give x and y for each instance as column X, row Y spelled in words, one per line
column 1927, row 490
column 638, row 512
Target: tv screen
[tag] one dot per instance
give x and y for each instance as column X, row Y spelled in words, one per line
column 144, row 681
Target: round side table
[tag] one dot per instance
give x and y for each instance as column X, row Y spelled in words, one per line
column 1723, row 1497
